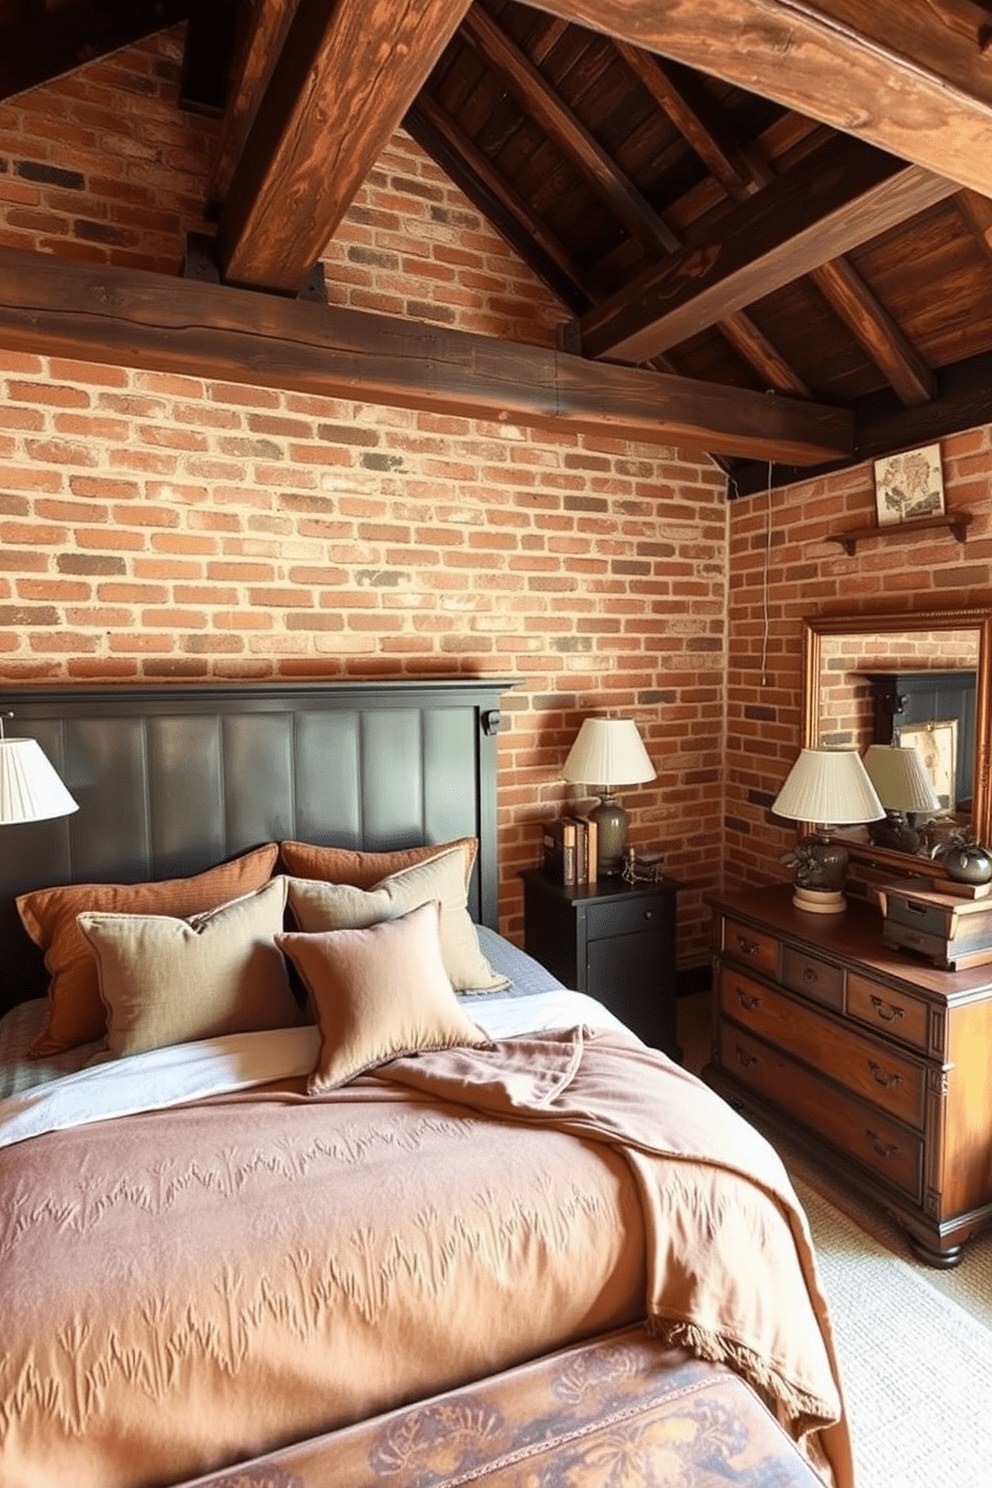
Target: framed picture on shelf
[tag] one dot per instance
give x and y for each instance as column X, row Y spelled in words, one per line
column 909, row 485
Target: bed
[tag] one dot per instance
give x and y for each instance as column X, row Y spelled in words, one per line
column 344, row 1184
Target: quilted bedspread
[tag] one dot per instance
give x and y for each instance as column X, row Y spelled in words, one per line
column 190, row 1287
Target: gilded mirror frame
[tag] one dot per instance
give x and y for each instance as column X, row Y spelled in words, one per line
column 865, row 624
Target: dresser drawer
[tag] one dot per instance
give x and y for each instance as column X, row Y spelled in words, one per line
column 625, row 917
column 868, row 1135
column 752, row 947
column 900, row 1015
column 882, row 1075
column 816, row 979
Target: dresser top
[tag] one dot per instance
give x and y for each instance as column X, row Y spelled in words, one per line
column 854, row 936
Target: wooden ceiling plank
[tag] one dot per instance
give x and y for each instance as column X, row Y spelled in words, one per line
column 876, row 332
column 752, row 344
column 910, row 79
column 739, row 171
column 345, row 77
column 977, row 212
column 266, row 30
column 124, row 317
column 571, row 137
column 847, row 195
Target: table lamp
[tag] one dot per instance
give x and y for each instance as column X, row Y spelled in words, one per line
column 830, row 788
column 608, row 752
column 902, row 783
column 30, row 788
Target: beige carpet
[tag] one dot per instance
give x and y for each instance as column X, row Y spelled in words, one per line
column 917, row 1365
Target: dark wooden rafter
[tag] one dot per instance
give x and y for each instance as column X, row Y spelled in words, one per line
column 128, row 318
column 617, row 193
column 343, row 80
column 742, row 171
column 847, row 194
column 911, row 79
column 472, row 170
column 977, row 212
column 265, row 33
column 574, row 141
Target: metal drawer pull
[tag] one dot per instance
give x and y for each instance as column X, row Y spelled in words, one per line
column 649, row 914
column 890, row 1082
column 743, row 1059
column 882, row 1149
column 748, row 947
column 746, row 1000
column 809, row 974
column 887, row 1011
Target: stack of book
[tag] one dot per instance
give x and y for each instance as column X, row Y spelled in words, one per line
column 570, row 846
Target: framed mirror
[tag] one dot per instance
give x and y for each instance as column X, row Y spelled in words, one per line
column 921, row 679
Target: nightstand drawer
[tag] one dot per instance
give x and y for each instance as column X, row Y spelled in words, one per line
column 868, row 1135
column 897, row 1014
column 624, row 917
column 865, row 1066
column 752, row 947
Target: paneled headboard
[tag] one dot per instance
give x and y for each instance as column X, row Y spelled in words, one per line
column 171, row 780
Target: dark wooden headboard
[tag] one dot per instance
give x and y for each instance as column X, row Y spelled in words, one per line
column 172, row 780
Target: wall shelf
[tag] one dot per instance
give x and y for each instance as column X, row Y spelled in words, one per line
column 955, row 522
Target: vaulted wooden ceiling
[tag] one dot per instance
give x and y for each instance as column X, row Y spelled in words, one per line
column 769, row 220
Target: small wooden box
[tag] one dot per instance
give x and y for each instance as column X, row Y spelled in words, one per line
column 951, row 932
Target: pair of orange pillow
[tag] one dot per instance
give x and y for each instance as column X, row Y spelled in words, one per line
column 76, row 1013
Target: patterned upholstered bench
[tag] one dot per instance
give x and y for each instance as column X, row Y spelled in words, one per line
column 596, row 1415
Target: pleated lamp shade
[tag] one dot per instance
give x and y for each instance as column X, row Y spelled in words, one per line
column 900, row 778
column 30, row 789
column 828, row 787
column 608, row 751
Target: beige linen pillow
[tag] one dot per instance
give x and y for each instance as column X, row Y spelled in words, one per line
column 75, row 1012
column 169, row 981
column 380, row 992
column 365, row 869
column 322, row 906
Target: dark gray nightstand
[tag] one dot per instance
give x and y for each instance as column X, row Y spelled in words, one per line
column 615, row 941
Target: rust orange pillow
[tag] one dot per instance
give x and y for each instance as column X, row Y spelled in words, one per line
column 363, row 870
column 76, row 1013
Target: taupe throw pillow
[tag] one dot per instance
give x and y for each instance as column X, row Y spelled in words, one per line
column 380, row 992
column 169, row 981
column 323, row 906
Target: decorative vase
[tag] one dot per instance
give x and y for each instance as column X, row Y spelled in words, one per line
column 967, row 862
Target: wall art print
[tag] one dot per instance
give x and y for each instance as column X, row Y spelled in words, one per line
column 909, row 485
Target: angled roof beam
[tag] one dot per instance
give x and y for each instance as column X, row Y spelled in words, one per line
column 266, row 30
column 843, row 195
column 742, row 172
column 125, row 317
column 344, row 78
column 912, row 79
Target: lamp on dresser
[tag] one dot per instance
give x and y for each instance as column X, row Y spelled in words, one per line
column 30, row 788
column 902, row 783
column 829, row 788
column 608, row 752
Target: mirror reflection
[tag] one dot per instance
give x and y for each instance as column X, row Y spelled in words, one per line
column 916, row 684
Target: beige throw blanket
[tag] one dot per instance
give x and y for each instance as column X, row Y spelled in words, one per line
column 191, row 1287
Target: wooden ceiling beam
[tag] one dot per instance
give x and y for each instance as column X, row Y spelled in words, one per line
column 912, row 79
column 878, row 335
column 344, row 78
column 127, row 318
column 266, row 29
column 846, row 194
column 561, row 126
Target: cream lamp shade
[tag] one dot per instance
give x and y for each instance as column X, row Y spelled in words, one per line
column 30, row 789
column 608, row 752
column 829, row 788
column 901, row 780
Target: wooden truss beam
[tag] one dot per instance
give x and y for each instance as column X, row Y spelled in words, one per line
column 128, row 318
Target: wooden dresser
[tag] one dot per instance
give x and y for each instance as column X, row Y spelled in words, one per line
column 878, row 1063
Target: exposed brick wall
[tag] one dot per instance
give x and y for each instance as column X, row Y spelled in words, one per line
column 775, row 585
column 162, row 527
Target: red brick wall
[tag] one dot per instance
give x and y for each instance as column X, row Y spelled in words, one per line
column 783, row 570
column 160, row 527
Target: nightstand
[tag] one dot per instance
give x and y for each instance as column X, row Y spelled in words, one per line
column 615, row 941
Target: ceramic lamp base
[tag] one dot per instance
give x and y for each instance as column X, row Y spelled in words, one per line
column 611, row 834
column 819, row 901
